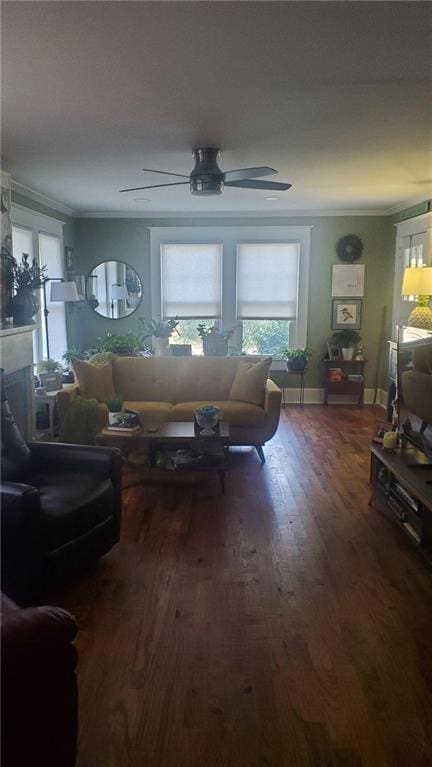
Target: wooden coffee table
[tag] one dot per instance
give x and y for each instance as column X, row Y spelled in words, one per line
column 157, row 449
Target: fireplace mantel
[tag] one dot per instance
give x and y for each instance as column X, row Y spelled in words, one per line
column 17, row 363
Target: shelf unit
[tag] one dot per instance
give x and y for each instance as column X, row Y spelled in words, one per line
column 402, row 482
column 335, row 388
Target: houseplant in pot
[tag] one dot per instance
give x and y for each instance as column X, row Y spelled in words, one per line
column 115, row 406
column 347, row 339
column 124, row 345
column 215, row 340
column 27, row 278
column 296, row 359
column 161, row 333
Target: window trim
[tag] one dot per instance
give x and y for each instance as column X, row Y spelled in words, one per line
column 229, row 237
column 39, row 223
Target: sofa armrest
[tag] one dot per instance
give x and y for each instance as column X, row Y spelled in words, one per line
column 64, row 398
column 272, row 406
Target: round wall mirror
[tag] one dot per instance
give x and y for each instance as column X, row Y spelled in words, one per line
column 113, row 289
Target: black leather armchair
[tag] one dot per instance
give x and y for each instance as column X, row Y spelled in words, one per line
column 60, row 508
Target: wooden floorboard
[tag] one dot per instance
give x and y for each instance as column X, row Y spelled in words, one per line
column 285, row 624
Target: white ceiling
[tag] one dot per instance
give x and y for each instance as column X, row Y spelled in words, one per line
column 336, row 96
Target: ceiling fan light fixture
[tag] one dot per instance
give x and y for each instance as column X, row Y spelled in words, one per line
column 206, row 177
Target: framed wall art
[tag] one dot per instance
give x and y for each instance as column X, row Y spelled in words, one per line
column 348, row 280
column 346, row 313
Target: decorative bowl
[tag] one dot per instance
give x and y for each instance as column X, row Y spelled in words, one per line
column 207, row 418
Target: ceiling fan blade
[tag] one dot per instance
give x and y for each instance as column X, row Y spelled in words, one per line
column 274, row 186
column 243, row 173
column 165, row 172
column 154, row 186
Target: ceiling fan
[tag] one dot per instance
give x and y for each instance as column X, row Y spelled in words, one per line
column 207, row 178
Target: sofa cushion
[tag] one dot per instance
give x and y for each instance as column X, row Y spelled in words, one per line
column 235, row 413
column 174, row 379
column 94, row 381
column 250, row 380
column 150, row 412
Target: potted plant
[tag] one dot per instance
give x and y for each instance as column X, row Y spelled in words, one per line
column 296, row 359
column 161, row 331
column 115, row 405
column 27, row 277
column 48, row 366
column 126, row 345
column 215, row 340
column 347, row 339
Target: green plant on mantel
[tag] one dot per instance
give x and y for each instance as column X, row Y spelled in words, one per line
column 28, row 275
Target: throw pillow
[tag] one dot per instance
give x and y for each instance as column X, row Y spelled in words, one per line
column 94, row 381
column 250, row 381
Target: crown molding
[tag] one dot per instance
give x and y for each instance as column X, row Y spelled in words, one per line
column 400, row 206
column 301, row 213
column 42, row 199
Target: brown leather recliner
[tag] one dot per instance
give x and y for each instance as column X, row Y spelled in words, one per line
column 38, row 687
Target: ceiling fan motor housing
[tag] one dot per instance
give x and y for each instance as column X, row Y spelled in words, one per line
column 206, row 176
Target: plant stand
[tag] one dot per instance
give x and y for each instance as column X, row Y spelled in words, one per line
column 302, row 374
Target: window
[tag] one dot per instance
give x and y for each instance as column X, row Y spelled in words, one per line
column 267, row 289
column 41, row 237
column 252, row 280
column 191, row 280
column 50, row 254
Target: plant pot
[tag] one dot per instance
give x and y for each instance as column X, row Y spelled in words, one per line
column 161, row 346
column 215, row 346
column 296, row 365
column 347, row 353
column 113, row 418
column 23, row 307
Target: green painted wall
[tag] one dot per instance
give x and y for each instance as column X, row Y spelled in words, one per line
column 128, row 239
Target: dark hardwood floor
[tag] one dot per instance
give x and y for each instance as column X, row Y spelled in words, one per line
column 286, row 624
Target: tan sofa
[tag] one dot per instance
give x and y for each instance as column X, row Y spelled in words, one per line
column 170, row 389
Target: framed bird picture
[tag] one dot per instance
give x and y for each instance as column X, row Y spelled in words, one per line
column 346, row 313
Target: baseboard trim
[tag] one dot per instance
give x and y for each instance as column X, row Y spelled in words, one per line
column 316, row 397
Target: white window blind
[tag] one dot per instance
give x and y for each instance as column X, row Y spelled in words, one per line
column 267, row 280
column 50, row 254
column 191, row 280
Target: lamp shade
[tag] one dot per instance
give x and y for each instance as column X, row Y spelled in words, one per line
column 119, row 293
column 417, row 281
column 64, row 291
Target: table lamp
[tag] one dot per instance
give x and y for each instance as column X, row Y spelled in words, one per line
column 417, row 281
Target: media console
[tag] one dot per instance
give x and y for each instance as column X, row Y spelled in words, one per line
column 402, row 480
